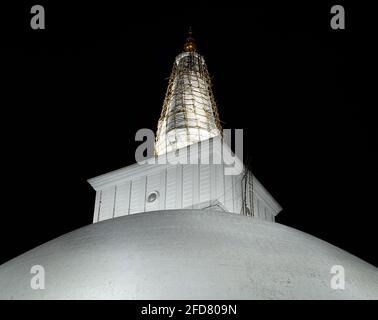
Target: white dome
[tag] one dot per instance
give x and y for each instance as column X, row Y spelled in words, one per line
column 187, row 254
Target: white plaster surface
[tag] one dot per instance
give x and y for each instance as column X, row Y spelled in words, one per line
column 182, row 186
column 187, row 254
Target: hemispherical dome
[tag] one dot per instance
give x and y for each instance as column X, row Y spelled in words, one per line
column 187, row 254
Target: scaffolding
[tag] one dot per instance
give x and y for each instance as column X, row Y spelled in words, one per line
column 248, row 189
column 189, row 114
column 248, row 198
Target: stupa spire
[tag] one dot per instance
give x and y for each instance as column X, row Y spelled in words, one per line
column 190, row 44
column 189, row 114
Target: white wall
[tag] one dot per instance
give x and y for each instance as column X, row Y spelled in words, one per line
column 191, row 186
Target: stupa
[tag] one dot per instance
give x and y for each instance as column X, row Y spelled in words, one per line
column 198, row 229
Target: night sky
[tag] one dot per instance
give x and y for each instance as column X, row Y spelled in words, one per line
column 74, row 95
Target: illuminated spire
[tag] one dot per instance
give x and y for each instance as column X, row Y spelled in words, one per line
column 189, row 113
column 190, row 44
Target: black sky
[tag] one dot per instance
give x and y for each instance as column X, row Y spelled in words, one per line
column 75, row 94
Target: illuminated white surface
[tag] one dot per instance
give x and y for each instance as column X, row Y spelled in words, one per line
column 180, row 186
column 189, row 116
column 187, row 254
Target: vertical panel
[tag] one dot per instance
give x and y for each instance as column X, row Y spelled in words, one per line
column 170, row 197
column 187, row 185
column 122, row 200
column 255, row 206
column 196, row 188
column 258, row 207
column 261, row 210
column 107, row 203
column 219, row 184
column 213, row 185
column 270, row 216
column 229, row 191
column 248, row 192
column 163, row 190
column 237, row 193
column 137, row 201
column 96, row 210
column 224, row 185
column 179, row 182
column 205, row 192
